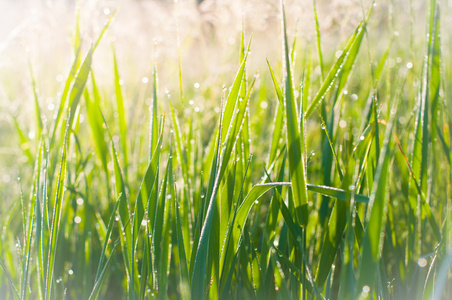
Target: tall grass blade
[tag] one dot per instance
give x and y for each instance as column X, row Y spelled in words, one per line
column 294, row 138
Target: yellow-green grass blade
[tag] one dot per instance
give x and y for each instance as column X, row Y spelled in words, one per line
column 108, row 232
column 234, row 234
column 125, row 236
column 232, row 99
column 121, row 115
column 153, row 122
column 337, row 67
column 24, row 141
column 434, row 56
column 210, row 226
column 33, row 207
column 79, row 86
column 160, row 236
column 181, row 154
column 10, row 279
column 95, row 121
column 144, row 199
column 70, row 78
column 294, row 138
column 144, row 194
column 277, row 88
column 318, row 40
column 184, row 277
column 376, row 217
column 339, row 194
column 104, row 30
column 64, row 95
column 39, row 124
column 198, row 265
column 56, row 217
column 98, row 282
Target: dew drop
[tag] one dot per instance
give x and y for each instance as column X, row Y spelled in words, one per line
column 422, row 262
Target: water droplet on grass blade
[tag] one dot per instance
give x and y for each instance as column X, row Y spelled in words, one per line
column 422, row 262
column 366, row 290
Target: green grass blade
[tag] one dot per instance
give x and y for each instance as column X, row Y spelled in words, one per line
column 57, row 210
column 79, row 85
column 37, row 108
column 294, row 139
column 121, row 114
column 24, row 141
column 153, row 123
column 318, row 40
column 34, row 205
column 107, row 240
column 99, row 280
column 337, row 67
column 10, row 279
column 232, row 99
column 339, row 194
column 376, row 217
column 237, row 223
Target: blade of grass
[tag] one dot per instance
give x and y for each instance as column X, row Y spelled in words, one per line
column 294, row 138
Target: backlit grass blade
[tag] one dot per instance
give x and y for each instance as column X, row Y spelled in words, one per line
column 376, row 218
column 153, row 122
column 104, row 29
column 144, row 193
column 70, row 78
column 276, row 85
column 34, row 205
column 10, row 279
column 181, row 154
column 434, row 53
column 121, row 115
column 337, row 67
column 79, row 85
column 107, row 240
column 64, row 94
column 97, row 284
column 294, row 139
column 318, row 40
column 37, row 107
column 184, row 277
column 339, row 194
column 232, row 99
column 57, row 209
column 25, row 142
column 233, row 236
column 229, row 141
column 160, row 234
column 95, row 122
column 198, row 261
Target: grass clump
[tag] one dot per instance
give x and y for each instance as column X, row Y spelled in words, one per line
column 331, row 182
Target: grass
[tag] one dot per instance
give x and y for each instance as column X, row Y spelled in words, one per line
column 339, row 188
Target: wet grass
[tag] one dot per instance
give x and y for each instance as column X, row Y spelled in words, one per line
column 331, row 181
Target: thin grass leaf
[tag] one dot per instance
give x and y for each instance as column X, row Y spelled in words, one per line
column 98, row 283
column 337, row 67
column 294, row 138
column 376, row 217
column 339, row 194
column 37, row 108
column 121, row 114
column 56, row 218
column 34, row 205
column 10, row 279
